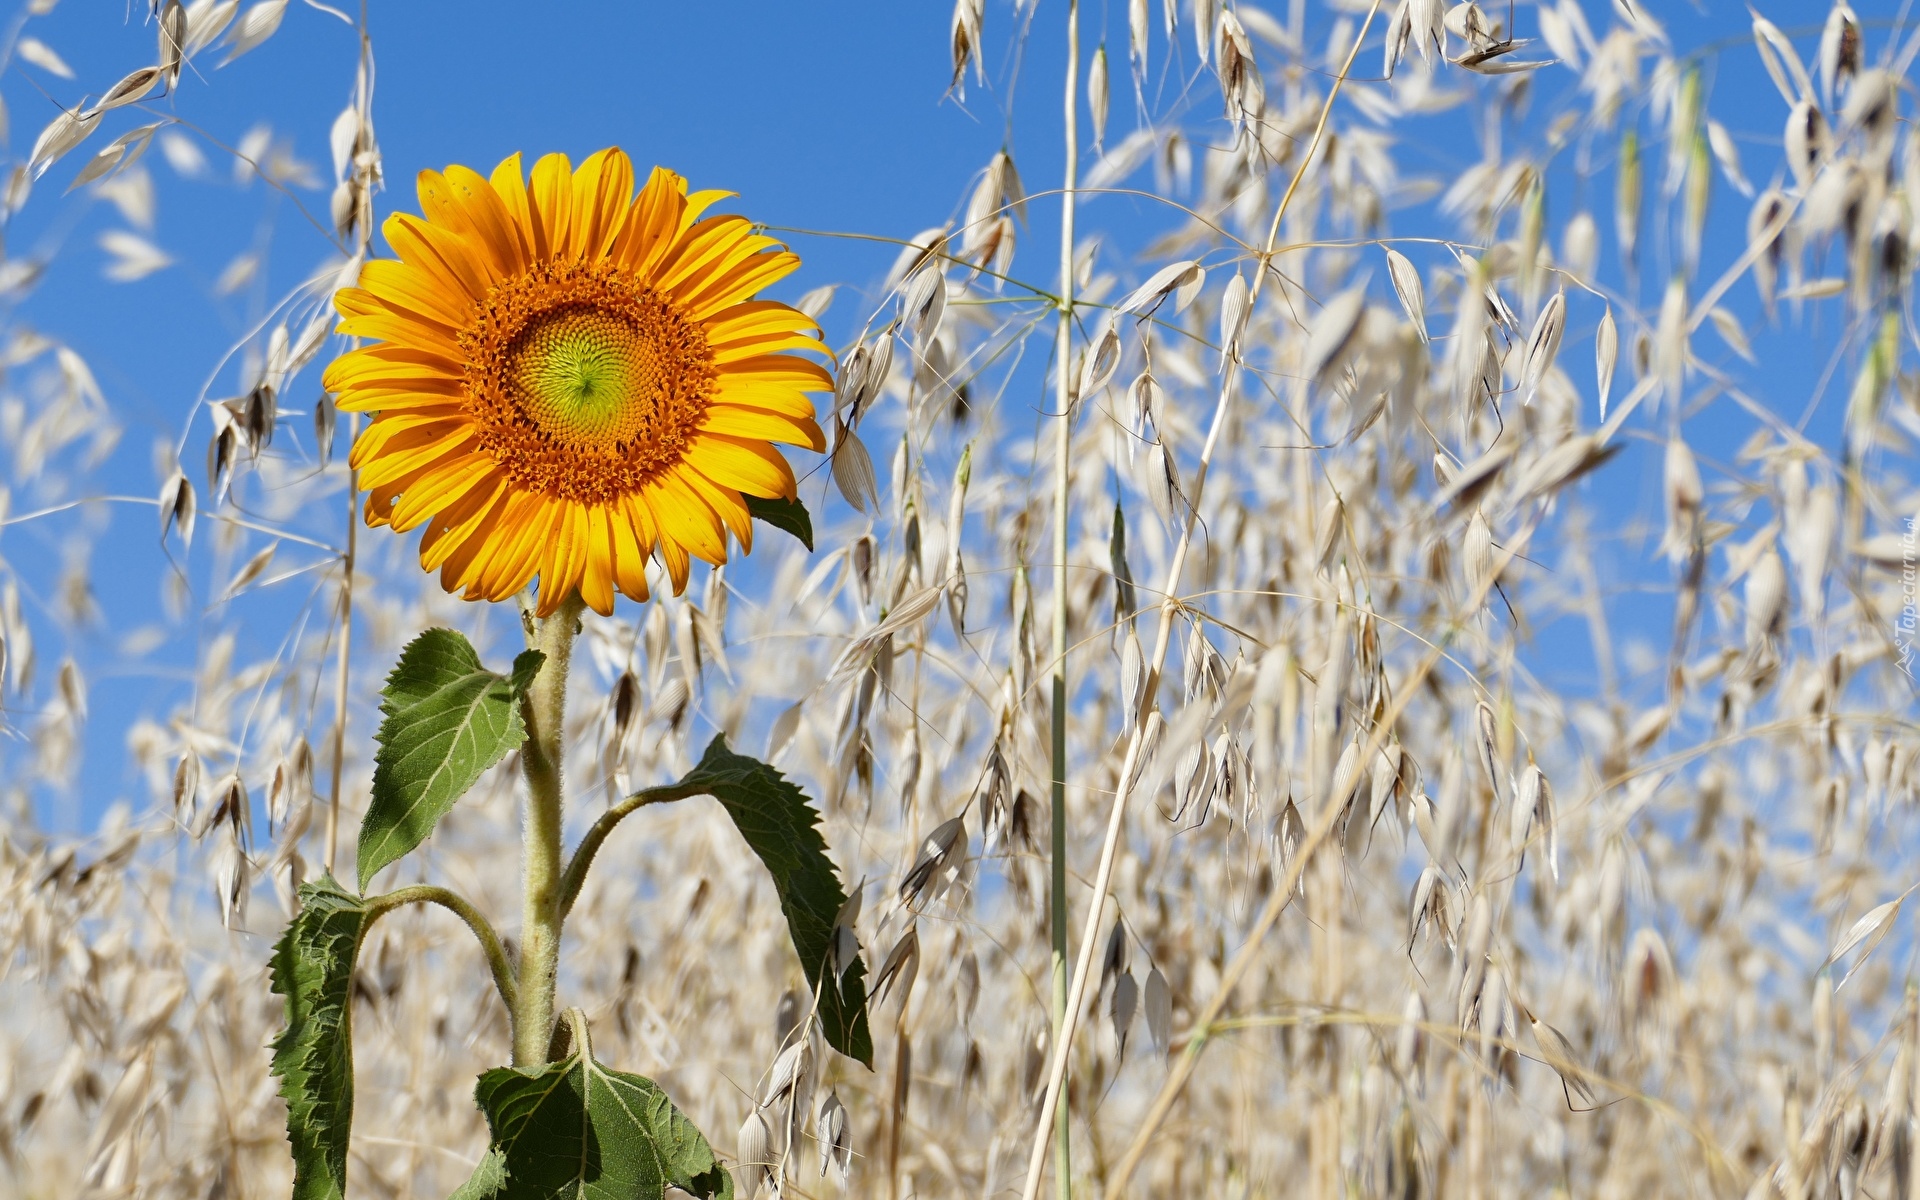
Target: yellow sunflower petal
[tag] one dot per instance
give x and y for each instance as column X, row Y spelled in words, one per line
column 356, row 301
column 652, row 223
column 442, row 253
column 510, row 554
column 685, row 519
column 407, row 287
column 739, row 421
column 397, row 433
column 753, row 348
column 398, row 378
column 509, row 182
column 800, row 374
column 743, row 464
column 494, row 228
column 374, row 508
column 632, row 542
column 383, row 361
column 678, row 563
column 708, row 247
column 410, row 452
column 439, row 205
column 602, row 194
column 596, row 578
column 674, row 557
column 699, row 202
column 552, row 199
column 453, row 525
column 564, row 556
column 750, row 394
column 382, row 496
column 360, row 303
column 442, row 401
column 758, row 345
column 726, row 503
column 756, row 317
column 740, row 282
column 463, row 547
column 521, row 542
column 397, row 327
column 442, row 486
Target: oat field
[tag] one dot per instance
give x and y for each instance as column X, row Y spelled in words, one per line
column 1352, row 636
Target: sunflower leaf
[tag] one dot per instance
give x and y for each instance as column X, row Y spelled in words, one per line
column 575, row 1128
column 445, row 720
column 790, row 515
column 783, row 829
column 313, row 1056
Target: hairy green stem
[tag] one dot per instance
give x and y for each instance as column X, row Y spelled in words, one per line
column 1062, row 496
column 545, row 709
column 458, row 906
column 576, row 872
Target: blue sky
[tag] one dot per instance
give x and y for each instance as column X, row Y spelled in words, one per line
column 828, row 117
column 824, row 122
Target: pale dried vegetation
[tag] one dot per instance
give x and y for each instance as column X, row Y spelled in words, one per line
column 1511, row 818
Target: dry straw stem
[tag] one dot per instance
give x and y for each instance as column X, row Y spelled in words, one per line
column 342, row 674
column 1062, row 502
column 1062, row 1047
column 363, row 233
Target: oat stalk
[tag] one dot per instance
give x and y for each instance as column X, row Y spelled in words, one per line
column 1170, row 607
column 342, row 674
column 1062, row 500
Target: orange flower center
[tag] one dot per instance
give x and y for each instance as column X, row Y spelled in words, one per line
column 584, row 384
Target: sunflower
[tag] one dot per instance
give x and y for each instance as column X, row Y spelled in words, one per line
column 568, row 379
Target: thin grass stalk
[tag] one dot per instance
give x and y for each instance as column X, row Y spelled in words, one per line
column 541, row 865
column 1324, row 886
column 898, row 1095
column 1169, row 607
column 363, row 236
column 342, row 674
column 1325, row 891
column 1062, row 498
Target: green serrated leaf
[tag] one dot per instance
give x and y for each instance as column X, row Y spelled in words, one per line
column 783, row 829
column 313, row 1056
column 526, row 665
column 790, row 515
column 575, row 1129
column 445, row 719
column 488, row 1179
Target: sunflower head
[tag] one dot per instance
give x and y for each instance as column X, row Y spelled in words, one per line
column 568, row 379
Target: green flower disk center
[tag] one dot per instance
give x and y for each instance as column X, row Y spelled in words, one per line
column 586, row 376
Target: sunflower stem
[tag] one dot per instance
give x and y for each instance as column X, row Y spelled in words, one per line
column 545, row 710
column 1062, row 496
